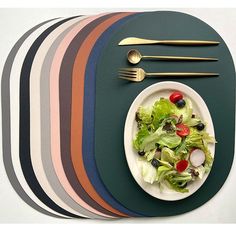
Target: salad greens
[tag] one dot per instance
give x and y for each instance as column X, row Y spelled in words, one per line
column 166, row 137
column 161, row 137
column 161, row 110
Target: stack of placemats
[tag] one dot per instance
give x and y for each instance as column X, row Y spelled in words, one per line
column 63, row 112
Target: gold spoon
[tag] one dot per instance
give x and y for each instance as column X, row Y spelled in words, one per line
column 134, row 57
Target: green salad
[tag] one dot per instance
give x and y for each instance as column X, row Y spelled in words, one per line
column 172, row 143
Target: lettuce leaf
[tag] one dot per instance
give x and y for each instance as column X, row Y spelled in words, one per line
column 144, row 115
column 166, row 164
column 186, row 111
column 140, row 136
column 162, row 171
column 207, row 139
column 209, row 159
column 150, row 155
column 161, row 137
column 162, row 109
column 169, row 155
column 181, row 149
column 201, row 171
column 198, row 139
column 194, row 139
column 149, row 173
column 178, row 181
column 169, row 140
column 179, row 177
column 193, row 122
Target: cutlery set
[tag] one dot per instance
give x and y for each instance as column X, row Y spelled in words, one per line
column 134, row 57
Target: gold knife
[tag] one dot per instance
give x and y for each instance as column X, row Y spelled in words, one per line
column 140, row 41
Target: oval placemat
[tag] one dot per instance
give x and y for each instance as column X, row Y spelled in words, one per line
column 114, row 97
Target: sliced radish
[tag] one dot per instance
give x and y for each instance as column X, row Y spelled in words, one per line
column 197, row 157
column 192, row 150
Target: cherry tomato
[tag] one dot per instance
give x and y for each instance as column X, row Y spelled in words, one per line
column 182, row 130
column 175, row 97
column 181, row 165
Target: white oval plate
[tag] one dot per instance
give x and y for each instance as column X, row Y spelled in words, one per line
column 147, row 98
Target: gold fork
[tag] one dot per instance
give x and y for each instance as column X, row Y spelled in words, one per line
column 138, row 74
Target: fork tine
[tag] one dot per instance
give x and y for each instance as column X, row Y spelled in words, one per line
column 127, row 72
column 127, row 75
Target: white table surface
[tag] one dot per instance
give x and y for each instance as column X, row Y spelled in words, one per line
column 220, row 209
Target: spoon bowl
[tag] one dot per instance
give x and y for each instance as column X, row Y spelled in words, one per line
column 134, row 56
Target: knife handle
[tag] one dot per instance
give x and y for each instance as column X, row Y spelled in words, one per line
column 141, row 41
column 187, row 42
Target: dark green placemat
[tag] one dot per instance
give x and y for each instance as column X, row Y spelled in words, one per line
column 114, row 97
